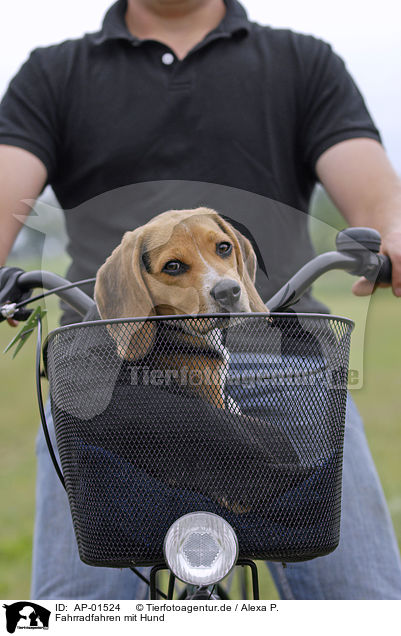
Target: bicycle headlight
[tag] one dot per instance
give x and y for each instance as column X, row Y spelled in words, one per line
column 200, row 548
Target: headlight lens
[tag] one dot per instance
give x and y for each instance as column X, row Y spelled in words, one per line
column 200, row 548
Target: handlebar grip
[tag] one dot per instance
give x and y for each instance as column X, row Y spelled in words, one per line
column 11, row 292
column 363, row 244
column 8, row 283
column 385, row 272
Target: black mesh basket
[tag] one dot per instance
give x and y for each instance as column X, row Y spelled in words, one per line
column 240, row 416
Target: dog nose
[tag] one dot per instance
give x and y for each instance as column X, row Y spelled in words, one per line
column 226, row 292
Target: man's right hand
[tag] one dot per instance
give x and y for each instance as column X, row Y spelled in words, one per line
column 10, row 291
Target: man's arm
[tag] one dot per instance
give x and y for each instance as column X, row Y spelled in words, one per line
column 361, row 181
column 22, row 176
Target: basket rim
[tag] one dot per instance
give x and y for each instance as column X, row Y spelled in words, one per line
column 261, row 314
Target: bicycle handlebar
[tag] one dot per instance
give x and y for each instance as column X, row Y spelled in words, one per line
column 357, row 253
column 65, row 290
column 73, row 296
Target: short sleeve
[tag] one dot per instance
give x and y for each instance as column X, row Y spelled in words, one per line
column 28, row 113
column 333, row 108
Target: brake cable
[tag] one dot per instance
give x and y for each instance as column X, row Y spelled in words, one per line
column 32, row 299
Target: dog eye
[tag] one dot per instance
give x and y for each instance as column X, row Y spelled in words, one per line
column 224, row 248
column 174, row 268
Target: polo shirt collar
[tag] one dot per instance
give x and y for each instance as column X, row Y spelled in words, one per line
column 115, row 28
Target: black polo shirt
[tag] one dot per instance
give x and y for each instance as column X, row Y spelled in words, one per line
column 126, row 130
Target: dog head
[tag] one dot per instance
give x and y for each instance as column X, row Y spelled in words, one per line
column 181, row 262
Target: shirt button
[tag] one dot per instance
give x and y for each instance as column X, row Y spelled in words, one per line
column 167, row 58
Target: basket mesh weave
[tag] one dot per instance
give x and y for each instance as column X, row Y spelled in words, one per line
column 243, row 417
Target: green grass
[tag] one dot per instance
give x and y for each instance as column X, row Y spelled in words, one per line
column 19, row 425
column 379, row 401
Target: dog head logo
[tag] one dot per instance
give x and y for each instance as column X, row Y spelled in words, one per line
column 26, row 615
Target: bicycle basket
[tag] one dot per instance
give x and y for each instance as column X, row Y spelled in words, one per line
column 240, row 416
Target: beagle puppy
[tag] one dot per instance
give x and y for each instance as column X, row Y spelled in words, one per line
column 189, row 263
column 182, row 262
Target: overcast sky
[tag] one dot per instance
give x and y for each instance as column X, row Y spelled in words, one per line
column 366, row 34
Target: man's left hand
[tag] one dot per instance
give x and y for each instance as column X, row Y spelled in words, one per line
column 391, row 246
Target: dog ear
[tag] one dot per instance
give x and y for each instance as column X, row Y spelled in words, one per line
column 248, row 254
column 120, row 292
column 249, row 272
column 247, row 264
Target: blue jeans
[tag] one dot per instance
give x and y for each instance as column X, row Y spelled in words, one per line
column 366, row 565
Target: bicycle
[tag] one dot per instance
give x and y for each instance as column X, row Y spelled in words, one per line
column 249, row 483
